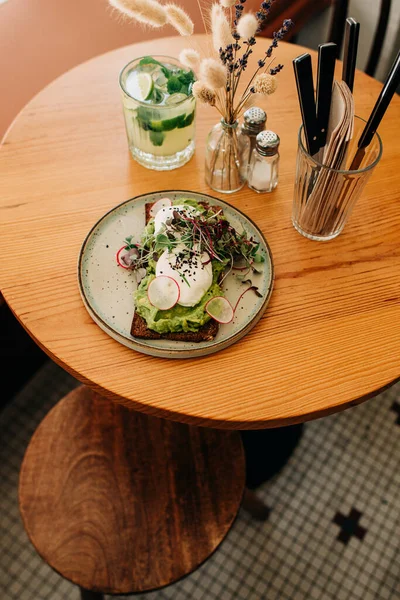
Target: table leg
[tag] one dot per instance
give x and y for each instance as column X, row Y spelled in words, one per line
column 267, row 451
column 128, row 503
column 254, row 506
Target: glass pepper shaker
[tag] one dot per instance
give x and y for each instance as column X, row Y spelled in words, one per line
column 264, row 163
column 254, row 121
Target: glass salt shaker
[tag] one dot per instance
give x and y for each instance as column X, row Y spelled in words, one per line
column 255, row 119
column 264, row 163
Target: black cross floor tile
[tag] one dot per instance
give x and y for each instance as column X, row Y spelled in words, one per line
column 349, row 526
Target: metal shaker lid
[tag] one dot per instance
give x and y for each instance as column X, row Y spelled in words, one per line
column 255, row 116
column 267, row 142
column 254, row 119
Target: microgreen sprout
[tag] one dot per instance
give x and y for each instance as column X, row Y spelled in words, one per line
column 207, row 232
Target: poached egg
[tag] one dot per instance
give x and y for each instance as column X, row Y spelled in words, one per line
column 168, row 212
column 192, row 272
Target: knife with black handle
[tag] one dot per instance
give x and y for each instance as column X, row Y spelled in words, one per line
column 305, row 89
column 350, row 51
column 378, row 112
column 326, row 70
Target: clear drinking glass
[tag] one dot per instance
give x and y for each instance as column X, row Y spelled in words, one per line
column 325, row 197
column 161, row 134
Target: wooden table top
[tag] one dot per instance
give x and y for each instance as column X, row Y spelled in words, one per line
column 331, row 333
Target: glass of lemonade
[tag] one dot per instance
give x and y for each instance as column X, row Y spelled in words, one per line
column 159, row 111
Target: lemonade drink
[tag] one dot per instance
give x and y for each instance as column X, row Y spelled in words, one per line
column 159, row 111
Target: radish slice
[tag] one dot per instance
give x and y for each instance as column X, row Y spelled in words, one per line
column 162, row 203
column 119, row 256
column 163, row 292
column 220, row 309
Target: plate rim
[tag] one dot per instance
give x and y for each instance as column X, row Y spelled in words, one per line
column 172, row 352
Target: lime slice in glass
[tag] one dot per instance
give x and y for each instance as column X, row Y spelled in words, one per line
column 175, row 98
column 156, row 125
column 139, row 85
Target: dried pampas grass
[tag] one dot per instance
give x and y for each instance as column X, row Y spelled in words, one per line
column 220, row 28
column 247, row 26
column 190, row 58
column 147, row 12
column 203, row 93
column 265, row 84
column 179, row 19
column 213, row 73
column 227, row 3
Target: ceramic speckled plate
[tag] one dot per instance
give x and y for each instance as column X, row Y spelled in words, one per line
column 107, row 289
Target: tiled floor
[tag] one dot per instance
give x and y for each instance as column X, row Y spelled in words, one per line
column 333, row 531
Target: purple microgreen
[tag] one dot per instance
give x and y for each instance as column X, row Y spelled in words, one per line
column 252, row 287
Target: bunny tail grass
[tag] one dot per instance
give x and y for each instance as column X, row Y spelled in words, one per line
column 147, row 12
column 220, row 28
column 247, row 26
column 179, row 19
column 190, row 58
column 213, row 73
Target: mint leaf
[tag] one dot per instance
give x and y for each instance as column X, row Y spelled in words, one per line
column 144, row 124
column 173, row 84
column 149, row 60
column 157, row 96
column 157, row 138
column 186, row 77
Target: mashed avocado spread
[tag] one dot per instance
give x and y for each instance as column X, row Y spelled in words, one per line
column 179, row 318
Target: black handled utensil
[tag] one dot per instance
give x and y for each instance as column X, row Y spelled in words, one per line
column 305, row 89
column 350, row 51
column 326, row 70
column 386, row 95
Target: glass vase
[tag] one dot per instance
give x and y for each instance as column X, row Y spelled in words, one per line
column 223, row 166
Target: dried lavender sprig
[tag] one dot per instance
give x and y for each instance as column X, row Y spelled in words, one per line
column 280, row 34
column 277, row 36
column 263, row 13
column 226, row 54
column 276, row 69
column 238, row 12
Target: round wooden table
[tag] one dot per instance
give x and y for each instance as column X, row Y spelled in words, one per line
column 331, row 334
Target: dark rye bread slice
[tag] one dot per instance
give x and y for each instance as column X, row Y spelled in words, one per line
column 139, row 327
column 206, row 333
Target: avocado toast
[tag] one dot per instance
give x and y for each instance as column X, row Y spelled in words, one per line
column 193, row 244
